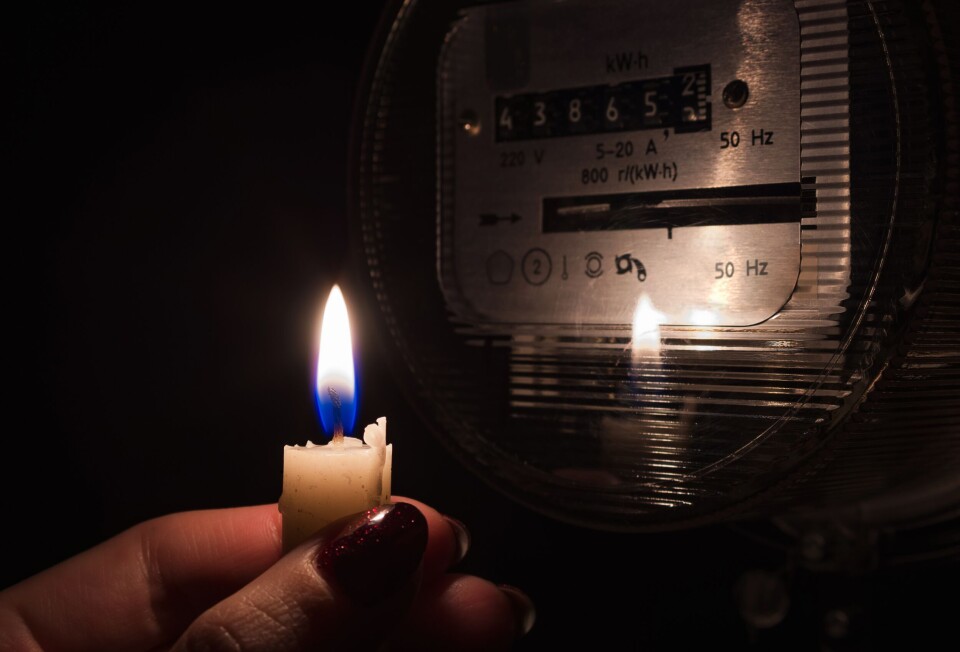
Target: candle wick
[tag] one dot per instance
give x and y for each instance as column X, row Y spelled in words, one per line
column 338, row 419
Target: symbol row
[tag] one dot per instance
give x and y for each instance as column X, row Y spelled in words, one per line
column 536, row 266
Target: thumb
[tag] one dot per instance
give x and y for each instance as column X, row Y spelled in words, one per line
column 342, row 589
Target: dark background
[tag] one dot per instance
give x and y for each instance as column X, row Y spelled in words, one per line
column 176, row 217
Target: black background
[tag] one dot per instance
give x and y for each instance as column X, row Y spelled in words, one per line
column 176, row 217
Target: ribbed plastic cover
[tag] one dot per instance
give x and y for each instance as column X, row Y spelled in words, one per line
column 851, row 389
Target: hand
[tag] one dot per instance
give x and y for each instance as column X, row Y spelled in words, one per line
column 216, row 580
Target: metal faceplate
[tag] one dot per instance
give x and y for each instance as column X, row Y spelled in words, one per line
column 596, row 153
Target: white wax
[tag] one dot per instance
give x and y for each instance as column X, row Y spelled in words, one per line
column 324, row 483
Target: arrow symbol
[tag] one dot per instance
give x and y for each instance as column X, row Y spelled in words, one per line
column 491, row 219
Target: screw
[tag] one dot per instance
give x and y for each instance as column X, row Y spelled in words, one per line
column 469, row 123
column 735, row 94
column 813, row 547
column 836, row 623
column 762, row 598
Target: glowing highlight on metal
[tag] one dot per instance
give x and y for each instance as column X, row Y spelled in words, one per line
column 646, row 326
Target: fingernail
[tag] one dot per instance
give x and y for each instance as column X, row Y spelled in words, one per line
column 374, row 555
column 462, row 536
column 523, row 609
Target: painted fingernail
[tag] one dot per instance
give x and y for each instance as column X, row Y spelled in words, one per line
column 462, row 536
column 523, row 609
column 374, row 555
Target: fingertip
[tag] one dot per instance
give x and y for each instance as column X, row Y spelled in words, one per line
column 524, row 610
column 376, row 553
column 461, row 537
column 462, row 612
column 449, row 540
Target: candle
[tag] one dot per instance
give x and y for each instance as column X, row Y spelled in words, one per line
column 322, row 483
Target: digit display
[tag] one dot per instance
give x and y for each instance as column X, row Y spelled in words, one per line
column 678, row 101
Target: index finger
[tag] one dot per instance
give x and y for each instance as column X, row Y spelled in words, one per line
column 144, row 586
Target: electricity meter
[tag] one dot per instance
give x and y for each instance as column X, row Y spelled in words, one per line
column 644, row 265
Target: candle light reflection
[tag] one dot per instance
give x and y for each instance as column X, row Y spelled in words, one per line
column 646, row 327
column 336, row 390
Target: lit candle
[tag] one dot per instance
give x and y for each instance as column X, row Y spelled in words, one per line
column 322, row 483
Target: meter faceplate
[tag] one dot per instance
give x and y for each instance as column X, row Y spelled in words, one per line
column 588, row 158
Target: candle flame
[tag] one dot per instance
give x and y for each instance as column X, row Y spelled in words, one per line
column 336, row 383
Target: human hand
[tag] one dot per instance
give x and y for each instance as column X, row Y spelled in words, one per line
column 216, row 580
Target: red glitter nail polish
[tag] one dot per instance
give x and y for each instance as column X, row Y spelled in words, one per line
column 373, row 556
